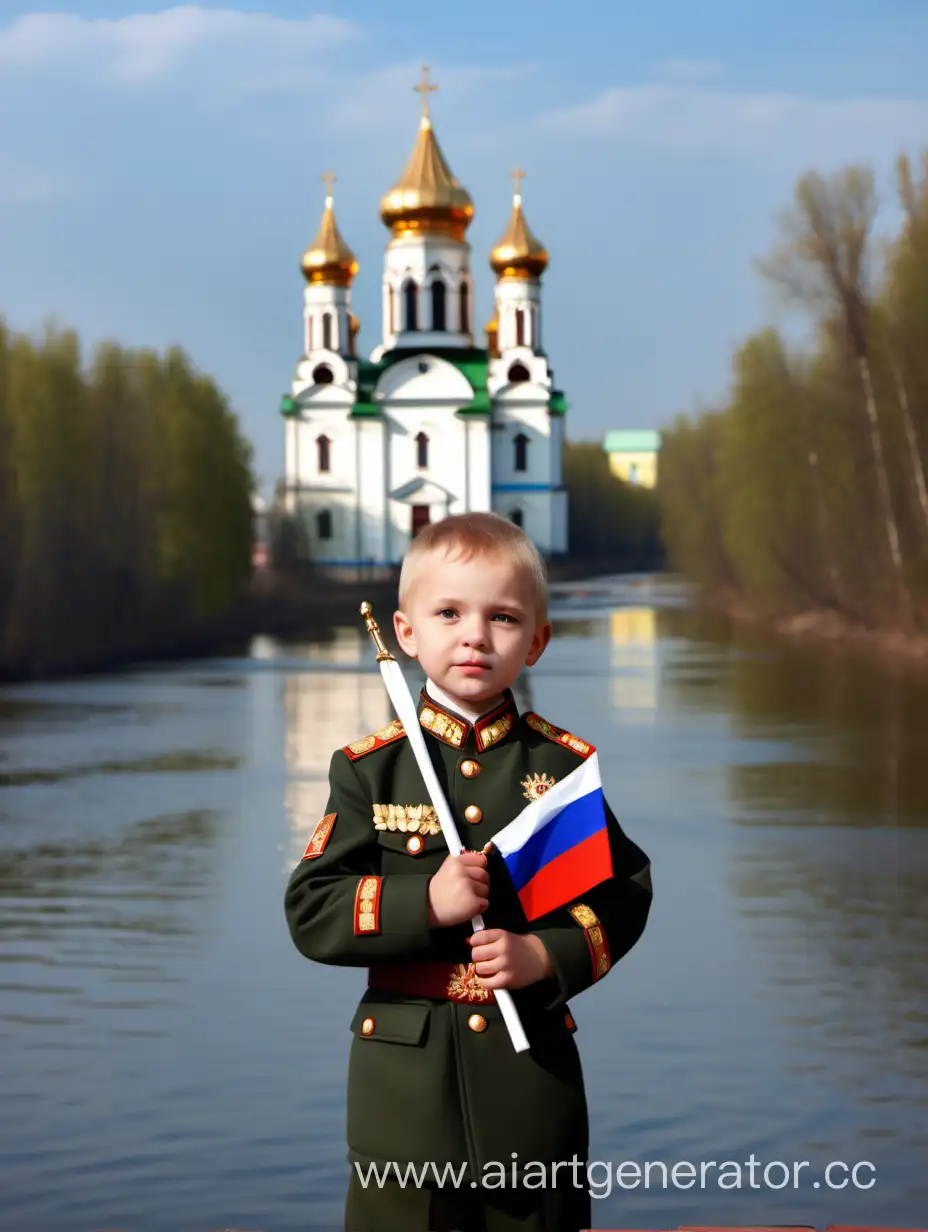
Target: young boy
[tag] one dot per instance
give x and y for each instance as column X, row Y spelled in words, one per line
column 434, row 1081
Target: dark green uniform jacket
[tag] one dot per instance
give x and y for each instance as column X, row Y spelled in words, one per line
column 434, row 1079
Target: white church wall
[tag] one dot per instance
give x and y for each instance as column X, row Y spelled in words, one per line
column 339, row 392
column 414, row 259
column 503, row 390
column 535, row 423
column 372, row 435
column 513, row 294
column 476, row 444
column 424, row 380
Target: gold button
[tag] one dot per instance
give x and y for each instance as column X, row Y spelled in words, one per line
column 473, row 814
column 367, row 1026
column 414, row 845
column 470, row 769
column 477, row 1022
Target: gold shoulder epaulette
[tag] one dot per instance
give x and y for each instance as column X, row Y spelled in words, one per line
column 367, row 744
column 559, row 735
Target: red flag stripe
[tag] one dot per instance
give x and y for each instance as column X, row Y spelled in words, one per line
column 568, row 876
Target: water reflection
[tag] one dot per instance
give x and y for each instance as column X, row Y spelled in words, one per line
column 635, row 675
column 149, row 994
column 827, row 783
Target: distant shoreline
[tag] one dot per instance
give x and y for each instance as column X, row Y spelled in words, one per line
column 273, row 607
column 822, row 625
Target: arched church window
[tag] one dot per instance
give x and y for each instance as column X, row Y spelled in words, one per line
column 464, row 306
column 324, row 524
column 520, row 327
column 516, row 517
column 519, row 372
column 411, row 305
column 327, row 331
column 422, row 451
column 521, row 448
column 439, row 316
column 323, row 454
column 323, row 375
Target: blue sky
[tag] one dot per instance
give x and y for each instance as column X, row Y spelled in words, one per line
column 159, row 170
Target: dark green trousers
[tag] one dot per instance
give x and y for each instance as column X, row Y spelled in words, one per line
column 433, row 1208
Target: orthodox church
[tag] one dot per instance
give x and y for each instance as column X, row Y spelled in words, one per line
column 430, row 424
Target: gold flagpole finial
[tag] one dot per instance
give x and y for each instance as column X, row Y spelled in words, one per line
column 374, row 630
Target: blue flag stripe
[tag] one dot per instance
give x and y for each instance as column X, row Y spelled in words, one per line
column 576, row 821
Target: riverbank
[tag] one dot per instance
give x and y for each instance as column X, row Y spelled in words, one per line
column 821, row 625
column 274, row 606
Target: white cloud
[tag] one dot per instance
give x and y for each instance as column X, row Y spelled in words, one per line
column 147, row 47
column 685, row 117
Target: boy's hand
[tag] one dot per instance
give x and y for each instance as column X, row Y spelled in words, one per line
column 508, row 960
column 459, row 890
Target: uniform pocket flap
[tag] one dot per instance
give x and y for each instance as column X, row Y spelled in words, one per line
column 410, row 843
column 392, row 1022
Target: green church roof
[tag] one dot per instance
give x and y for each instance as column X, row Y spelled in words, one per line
column 472, row 362
column 644, row 440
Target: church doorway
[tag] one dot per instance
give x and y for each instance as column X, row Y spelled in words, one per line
column 420, row 518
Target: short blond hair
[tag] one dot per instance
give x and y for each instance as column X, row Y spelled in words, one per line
column 465, row 535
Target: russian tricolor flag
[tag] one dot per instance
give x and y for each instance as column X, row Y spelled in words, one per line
column 558, row 846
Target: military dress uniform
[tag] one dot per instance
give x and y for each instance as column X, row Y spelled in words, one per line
column 433, row 1076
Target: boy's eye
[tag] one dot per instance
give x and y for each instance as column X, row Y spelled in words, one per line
column 447, row 611
column 503, row 616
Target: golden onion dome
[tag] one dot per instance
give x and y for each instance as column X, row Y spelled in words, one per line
column 519, row 253
column 427, row 199
column 328, row 259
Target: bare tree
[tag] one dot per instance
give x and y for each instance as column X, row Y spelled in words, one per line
column 821, row 263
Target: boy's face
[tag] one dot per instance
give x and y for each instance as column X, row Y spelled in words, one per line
column 472, row 625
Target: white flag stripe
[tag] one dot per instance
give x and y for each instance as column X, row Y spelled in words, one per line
column 579, row 782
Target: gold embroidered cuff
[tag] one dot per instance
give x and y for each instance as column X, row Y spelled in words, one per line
column 316, row 845
column 367, row 906
column 596, row 940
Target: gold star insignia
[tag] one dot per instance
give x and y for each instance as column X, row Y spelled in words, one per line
column 536, row 786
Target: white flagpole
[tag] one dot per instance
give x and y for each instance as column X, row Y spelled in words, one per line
column 406, row 712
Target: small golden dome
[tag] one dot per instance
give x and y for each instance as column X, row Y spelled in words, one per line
column 519, row 253
column 427, row 199
column 353, row 326
column 328, row 259
column 491, row 329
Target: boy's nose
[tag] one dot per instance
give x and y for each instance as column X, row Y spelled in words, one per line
column 475, row 634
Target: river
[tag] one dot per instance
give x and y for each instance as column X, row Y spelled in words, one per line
column 169, row 1061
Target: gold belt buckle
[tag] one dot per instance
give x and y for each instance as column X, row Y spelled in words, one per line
column 464, row 984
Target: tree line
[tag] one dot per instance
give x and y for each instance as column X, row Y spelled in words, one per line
column 610, row 523
column 125, row 503
column 808, row 489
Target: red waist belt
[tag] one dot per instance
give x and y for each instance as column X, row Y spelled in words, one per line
column 450, row 981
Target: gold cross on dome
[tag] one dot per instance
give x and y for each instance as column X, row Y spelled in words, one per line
column 328, row 178
column 518, row 175
column 425, row 88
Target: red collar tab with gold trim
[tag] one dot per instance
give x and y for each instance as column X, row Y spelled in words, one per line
column 451, row 729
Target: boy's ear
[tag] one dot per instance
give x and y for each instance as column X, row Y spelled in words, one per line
column 539, row 642
column 404, row 634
